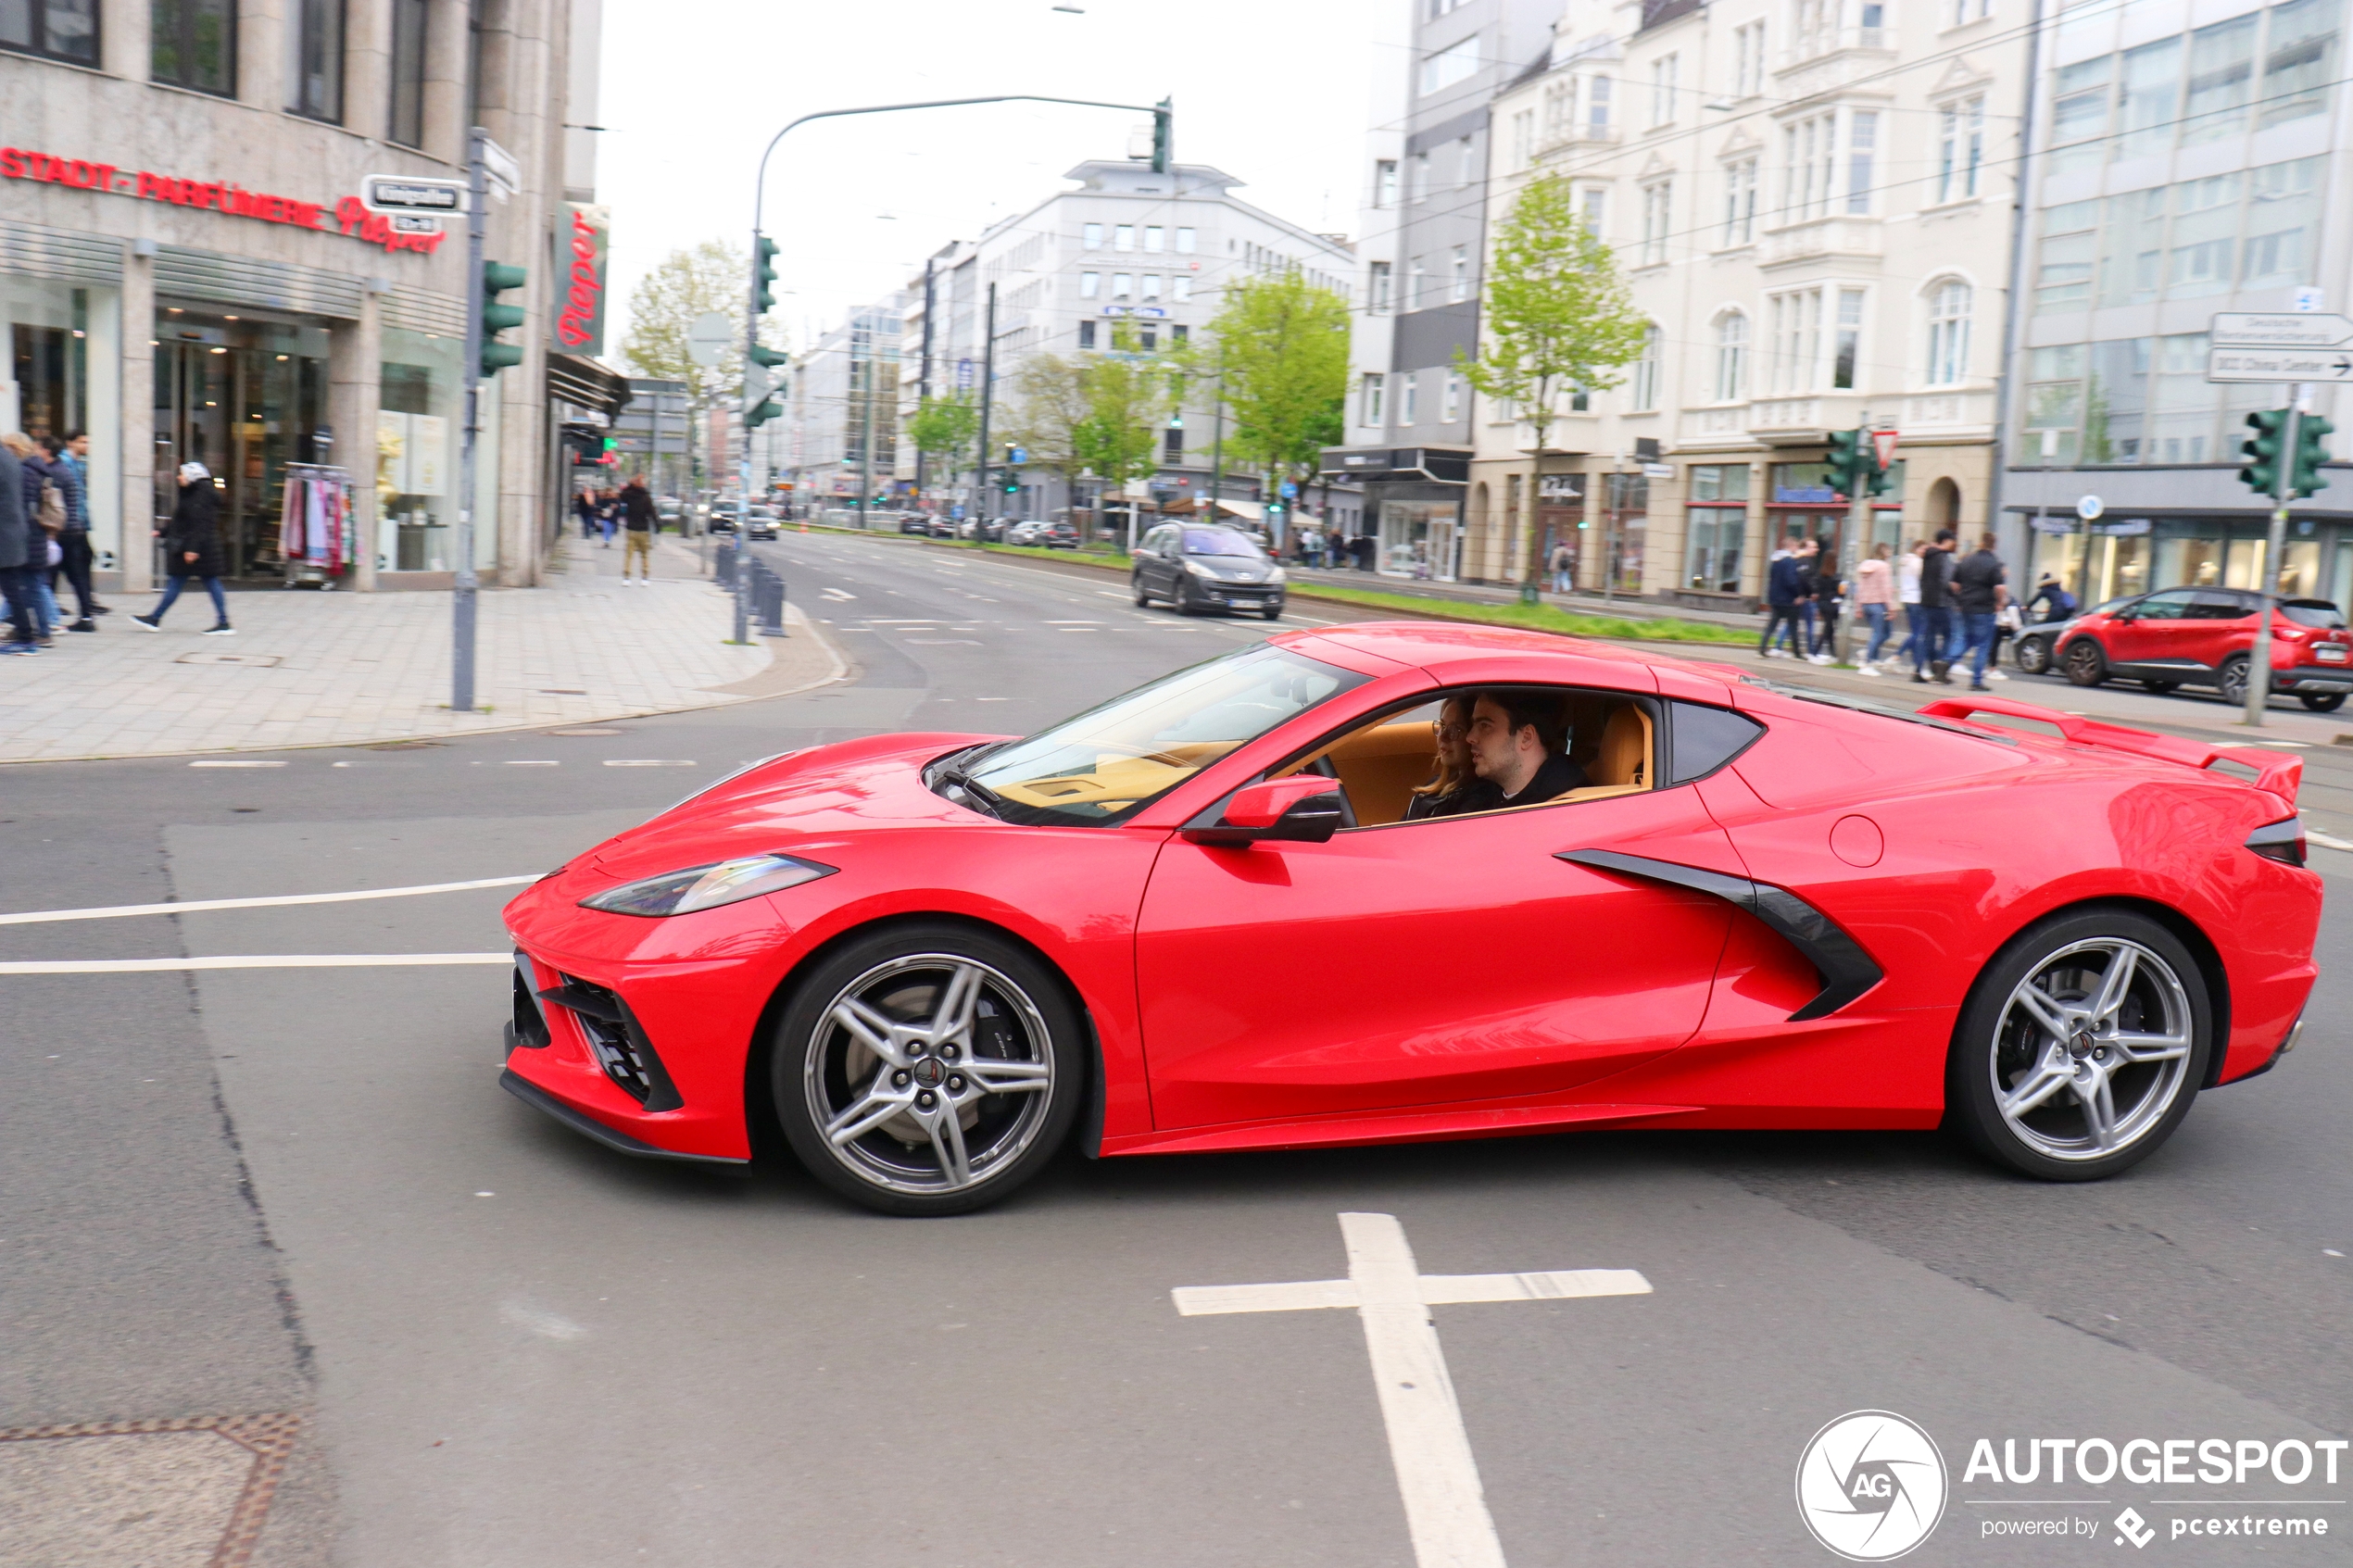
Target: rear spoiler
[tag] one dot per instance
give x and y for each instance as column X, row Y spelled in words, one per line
column 2283, row 775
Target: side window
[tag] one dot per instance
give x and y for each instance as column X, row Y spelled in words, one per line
column 1156, row 541
column 2211, row 606
column 2169, row 606
column 1703, row 738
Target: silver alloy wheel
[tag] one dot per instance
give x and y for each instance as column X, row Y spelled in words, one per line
column 929, row 1073
column 2231, row 683
column 2092, row 1049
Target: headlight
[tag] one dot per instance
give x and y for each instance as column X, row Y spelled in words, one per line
column 1200, row 571
column 1276, row 574
column 707, row 888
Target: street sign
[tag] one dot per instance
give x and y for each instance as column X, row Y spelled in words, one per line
column 1883, row 443
column 1658, row 471
column 2308, row 297
column 395, row 193
column 414, row 224
column 757, row 384
column 2089, row 508
column 708, row 338
column 500, row 165
column 2230, row 365
column 1290, row 489
column 2302, row 329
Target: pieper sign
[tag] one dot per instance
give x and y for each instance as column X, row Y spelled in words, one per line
column 226, row 197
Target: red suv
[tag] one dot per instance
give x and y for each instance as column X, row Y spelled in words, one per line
column 2200, row 637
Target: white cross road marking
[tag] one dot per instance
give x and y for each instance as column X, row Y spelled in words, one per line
column 1437, row 1476
column 116, row 912
column 223, row 763
column 836, row 596
column 264, row 960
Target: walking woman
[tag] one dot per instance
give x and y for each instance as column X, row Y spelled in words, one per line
column 192, row 548
column 1875, row 597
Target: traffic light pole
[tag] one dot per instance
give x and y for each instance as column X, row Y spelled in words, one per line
column 1858, row 523
column 462, row 599
column 2259, row 659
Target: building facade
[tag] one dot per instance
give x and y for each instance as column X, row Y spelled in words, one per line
column 837, row 444
column 1126, row 248
column 2182, row 169
column 1811, row 205
column 1429, row 157
column 186, row 272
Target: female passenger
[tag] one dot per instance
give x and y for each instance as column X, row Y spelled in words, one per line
column 1454, row 789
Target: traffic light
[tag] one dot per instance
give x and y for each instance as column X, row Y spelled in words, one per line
column 496, row 279
column 1854, row 465
column 762, row 412
column 770, row 357
column 2264, row 450
column 2312, row 451
column 1163, row 134
column 606, row 456
column 763, row 275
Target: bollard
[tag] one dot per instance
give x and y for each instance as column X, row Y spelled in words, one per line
column 768, row 595
column 723, row 565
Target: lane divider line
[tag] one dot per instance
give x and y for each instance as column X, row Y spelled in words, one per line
column 116, row 911
column 263, row 961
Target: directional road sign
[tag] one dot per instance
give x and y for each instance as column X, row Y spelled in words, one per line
column 708, row 338
column 500, row 165
column 2279, row 365
column 757, row 384
column 2301, row 329
column 402, row 194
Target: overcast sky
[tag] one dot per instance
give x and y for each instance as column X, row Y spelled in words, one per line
column 1274, row 91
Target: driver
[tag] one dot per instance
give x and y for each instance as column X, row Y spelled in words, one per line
column 1518, row 743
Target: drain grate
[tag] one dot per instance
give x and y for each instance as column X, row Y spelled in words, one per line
column 195, row 1489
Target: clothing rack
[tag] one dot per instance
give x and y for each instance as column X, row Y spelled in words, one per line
column 315, row 531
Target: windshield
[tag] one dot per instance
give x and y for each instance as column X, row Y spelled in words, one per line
column 1218, row 542
column 1105, row 763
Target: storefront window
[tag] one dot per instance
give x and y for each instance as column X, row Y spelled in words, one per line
column 1419, row 539
column 417, row 451
column 1715, row 533
column 244, row 397
column 1629, row 499
column 62, row 375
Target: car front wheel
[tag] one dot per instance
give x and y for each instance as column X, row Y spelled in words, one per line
column 2082, row 1046
column 2033, row 656
column 928, row 1070
column 2321, row 702
column 2085, row 664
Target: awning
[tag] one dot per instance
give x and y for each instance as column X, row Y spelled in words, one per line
column 584, row 383
column 1250, row 509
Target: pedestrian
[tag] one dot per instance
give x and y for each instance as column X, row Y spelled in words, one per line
column 1784, row 590
column 583, row 506
column 1874, row 595
column 637, row 517
column 17, row 534
column 1365, row 547
column 1936, row 604
column 608, row 514
column 1908, row 594
column 2009, row 622
column 2056, row 602
column 1822, row 603
column 69, row 465
column 1563, row 566
column 192, row 548
column 1979, row 592
column 44, row 509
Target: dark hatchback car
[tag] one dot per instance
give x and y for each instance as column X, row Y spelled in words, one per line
column 914, row 523
column 2202, row 637
column 1202, row 566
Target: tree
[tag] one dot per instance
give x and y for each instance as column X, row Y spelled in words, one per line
column 944, row 428
column 713, row 275
column 1281, row 343
column 1129, row 394
column 1047, row 405
column 1557, row 317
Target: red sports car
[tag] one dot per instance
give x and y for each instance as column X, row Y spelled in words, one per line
column 1292, row 898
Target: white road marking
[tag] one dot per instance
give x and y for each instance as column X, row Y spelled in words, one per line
column 266, row 960
column 1071, row 622
column 1110, row 594
column 515, row 762
column 836, row 594
column 193, row 906
column 1437, row 1476
column 2325, row 841
column 211, row 763
column 647, row 762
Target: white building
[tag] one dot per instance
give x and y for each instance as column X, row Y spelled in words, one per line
column 1811, row 203
column 838, row 440
column 1128, row 245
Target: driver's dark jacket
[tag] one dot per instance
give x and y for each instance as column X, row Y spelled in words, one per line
column 1472, row 795
column 1555, row 778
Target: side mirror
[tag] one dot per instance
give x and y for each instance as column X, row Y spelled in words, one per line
column 1302, row 809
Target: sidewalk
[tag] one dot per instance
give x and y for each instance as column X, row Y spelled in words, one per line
column 1579, row 603
column 312, row 668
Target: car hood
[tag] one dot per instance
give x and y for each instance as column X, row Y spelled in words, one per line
column 1233, row 568
column 804, row 803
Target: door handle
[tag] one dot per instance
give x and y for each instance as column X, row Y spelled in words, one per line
column 1847, row 970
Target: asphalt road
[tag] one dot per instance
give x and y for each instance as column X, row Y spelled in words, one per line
column 301, row 1190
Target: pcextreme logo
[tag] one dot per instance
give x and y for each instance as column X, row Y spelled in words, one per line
column 1870, row 1485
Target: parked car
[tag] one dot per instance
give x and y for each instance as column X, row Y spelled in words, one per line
column 914, row 523
column 1025, row 532
column 1060, row 535
column 1198, row 566
column 2035, row 649
column 760, row 522
column 2201, row 636
column 1200, row 917
column 943, row 526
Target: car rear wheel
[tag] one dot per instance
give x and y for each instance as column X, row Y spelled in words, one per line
column 2033, row 656
column 928, row 1070
column 2162, row 688
column 2086, row 665
column 2232, row 679
column 2321, row 702
column 2082, row 1046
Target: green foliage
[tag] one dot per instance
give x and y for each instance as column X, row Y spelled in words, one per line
column 1127, row 394
column 1047, row 404
column 945, row 427
column 663, row 307
column 1281, row 343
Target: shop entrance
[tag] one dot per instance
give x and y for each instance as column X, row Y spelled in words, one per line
column 244, row 397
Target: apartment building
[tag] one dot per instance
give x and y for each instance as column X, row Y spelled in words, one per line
column 1428, row 157
column 1126, row 246
column 2182, row 169
column 838, row 440
column 1810, row 200
column 186, row 271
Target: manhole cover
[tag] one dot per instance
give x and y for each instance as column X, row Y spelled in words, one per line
column 259, row 660
column 587, row 732
column 194, row 1491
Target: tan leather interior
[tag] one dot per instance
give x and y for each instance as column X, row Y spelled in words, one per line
column 1380, row 765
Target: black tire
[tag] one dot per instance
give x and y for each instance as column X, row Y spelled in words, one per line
column 2033, row 655
column 1999, row 1048
column 2321, row 702
column 2162, row 688
column 2084, row 662
column 1019, row 1026
column 1274, row 611
column 2231, row 679
column 1136, row 582
column 1184, row 603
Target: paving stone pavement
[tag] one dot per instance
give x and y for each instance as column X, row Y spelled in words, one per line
column 314, row 669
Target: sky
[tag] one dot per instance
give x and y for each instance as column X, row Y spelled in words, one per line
column 1275, row 92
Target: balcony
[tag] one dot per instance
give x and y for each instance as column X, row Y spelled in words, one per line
column 1566, row 138
column 1819, row 237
